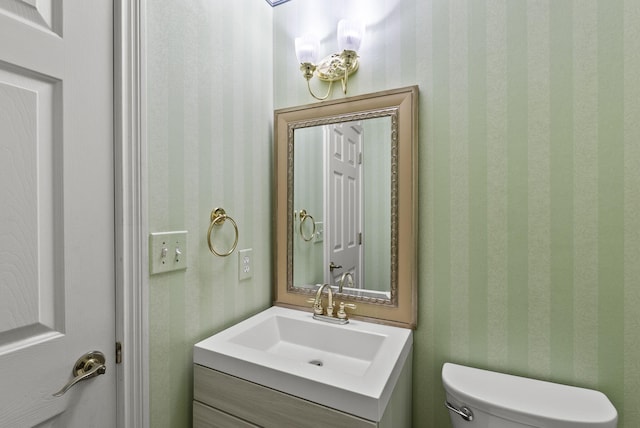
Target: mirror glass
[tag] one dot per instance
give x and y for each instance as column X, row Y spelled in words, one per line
column 346, row 202
column 342, row 206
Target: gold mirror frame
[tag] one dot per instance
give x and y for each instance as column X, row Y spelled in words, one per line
column 401, row 105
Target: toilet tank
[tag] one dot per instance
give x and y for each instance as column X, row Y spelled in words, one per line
column 506, row 401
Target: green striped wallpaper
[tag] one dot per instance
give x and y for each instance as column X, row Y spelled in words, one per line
column 210, row 109
column 529, row 180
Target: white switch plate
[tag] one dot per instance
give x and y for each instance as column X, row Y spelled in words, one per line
column 167, row 251
column 245, row 264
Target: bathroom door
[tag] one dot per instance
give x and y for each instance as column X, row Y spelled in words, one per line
column 343, row 201
column 57, row 280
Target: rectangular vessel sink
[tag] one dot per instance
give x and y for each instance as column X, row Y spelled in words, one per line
column 352, row 367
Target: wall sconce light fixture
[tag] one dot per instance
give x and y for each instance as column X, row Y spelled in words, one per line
column 337, row 66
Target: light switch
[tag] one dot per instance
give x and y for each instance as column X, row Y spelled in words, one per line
column 167, row 251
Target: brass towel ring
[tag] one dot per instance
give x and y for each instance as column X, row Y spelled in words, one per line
column 218, row 216
column 303, row 217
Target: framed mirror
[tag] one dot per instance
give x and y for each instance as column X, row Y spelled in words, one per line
column 346, row 204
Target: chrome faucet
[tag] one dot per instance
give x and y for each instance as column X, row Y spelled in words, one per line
column 318, row 311
column 343, row 278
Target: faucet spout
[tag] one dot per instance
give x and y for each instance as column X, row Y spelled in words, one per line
column 342, row 280
column 318, row 302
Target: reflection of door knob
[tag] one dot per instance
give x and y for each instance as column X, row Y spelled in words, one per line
column 89, row 365
column 332, row 266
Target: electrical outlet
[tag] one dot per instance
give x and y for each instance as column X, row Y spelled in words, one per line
column 167, row 251
column 319, row 232
column 245, row 264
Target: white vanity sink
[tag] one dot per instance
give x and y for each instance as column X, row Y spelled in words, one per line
column 352, row 367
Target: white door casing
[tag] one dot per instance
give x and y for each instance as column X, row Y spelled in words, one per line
column 131, row 213
column 57, row 270
column 343, row 201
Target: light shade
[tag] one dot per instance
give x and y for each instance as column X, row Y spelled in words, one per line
column 307, row 48
column 350, row 34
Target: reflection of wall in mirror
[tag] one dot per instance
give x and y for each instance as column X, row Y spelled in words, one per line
column 307, row 194
column 377, row 203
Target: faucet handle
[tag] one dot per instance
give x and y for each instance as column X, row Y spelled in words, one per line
column 341, row 312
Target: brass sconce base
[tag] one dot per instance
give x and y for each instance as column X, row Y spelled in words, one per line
column 332, row 68
column 335, row 66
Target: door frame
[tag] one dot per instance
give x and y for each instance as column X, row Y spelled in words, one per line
column 130, row 151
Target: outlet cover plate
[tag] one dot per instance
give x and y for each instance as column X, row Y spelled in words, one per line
column 167, row 251
column 319, row 232
column 245, row 264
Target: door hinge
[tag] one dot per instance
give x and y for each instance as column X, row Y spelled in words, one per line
column 118, row 352
column 360, row 238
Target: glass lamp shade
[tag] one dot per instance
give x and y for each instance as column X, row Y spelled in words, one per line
column 350, row 34
column 307, row 49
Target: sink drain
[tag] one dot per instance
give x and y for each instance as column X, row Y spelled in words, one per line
column 316, row 363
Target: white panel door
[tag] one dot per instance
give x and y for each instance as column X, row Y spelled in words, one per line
column 343, row 201
column 57, row 279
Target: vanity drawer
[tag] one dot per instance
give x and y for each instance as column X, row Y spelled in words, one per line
column 208, row 417
column 263, row 406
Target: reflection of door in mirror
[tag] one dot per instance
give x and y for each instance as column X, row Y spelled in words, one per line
column 343, row 202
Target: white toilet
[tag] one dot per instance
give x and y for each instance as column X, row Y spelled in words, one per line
column 484, row 399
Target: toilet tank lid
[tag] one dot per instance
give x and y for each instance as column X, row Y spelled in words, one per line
column 508, row 396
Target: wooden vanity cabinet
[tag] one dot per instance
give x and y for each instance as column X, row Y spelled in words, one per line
column 223, row 401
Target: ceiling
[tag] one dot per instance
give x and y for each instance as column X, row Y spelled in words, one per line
column 276, row 2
